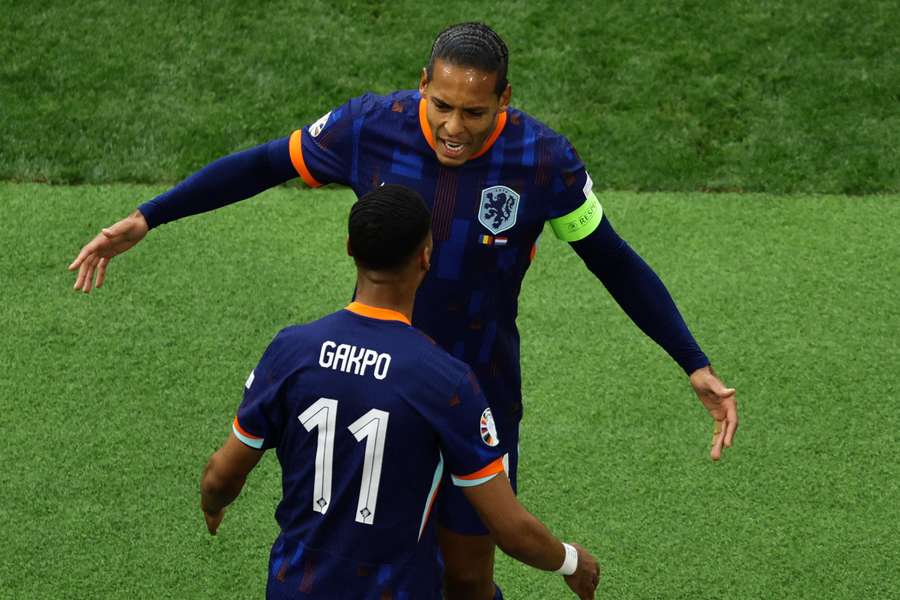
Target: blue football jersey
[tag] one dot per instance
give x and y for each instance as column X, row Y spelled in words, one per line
column 487, row 216
column 365, row 413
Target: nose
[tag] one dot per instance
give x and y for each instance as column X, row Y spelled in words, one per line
column 454, row 124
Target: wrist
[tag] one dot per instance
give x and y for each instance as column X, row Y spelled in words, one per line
column 696, row 362
column 570, row 562
column 145, row 215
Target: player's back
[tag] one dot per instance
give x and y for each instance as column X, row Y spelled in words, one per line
column 354, row 404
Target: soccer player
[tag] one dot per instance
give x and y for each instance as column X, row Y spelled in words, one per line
column 492, row 177
column 365, row 412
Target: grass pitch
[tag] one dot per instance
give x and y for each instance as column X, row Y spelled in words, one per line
column 736, row 95
column 113, row 401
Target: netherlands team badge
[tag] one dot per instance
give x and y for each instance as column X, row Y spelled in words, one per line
column 489, row 429
column 498, row 208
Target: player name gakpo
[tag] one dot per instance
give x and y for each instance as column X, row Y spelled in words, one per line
column 353, row 359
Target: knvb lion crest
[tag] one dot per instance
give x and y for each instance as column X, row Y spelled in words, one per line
column 498, row 208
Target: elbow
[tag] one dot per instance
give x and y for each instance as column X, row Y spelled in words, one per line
column 215, row 482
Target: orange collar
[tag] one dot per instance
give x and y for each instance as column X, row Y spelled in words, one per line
column 426, row 130
column 373, row 312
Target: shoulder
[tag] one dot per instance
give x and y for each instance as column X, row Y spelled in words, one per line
column 292, row 344
column 402, row 102
column 552, row 146
column 427, row 362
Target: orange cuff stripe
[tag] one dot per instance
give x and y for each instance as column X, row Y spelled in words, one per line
column 296, row 148
column 243, row 431
column 492, row 469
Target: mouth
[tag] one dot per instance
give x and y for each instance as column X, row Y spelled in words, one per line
column 451, row 149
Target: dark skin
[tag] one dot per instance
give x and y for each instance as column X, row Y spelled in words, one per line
column 516, row 531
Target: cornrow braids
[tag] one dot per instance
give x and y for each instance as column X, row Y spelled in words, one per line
column 472, row 44
column 387, row 226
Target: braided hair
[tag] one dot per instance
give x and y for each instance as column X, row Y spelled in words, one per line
column 472, row 44
column 387, row 226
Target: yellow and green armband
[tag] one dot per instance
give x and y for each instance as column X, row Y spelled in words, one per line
column 579, row 223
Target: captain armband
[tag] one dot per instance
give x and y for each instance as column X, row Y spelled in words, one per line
column 579, row 223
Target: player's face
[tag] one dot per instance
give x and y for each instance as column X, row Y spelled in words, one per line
column 462, row 110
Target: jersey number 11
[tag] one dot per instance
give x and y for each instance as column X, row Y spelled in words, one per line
column 371, row 427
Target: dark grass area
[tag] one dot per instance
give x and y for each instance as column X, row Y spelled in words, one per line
column 113, row 401
column 731, row 96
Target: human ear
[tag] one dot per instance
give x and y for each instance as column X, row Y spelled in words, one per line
column 423, row 80
column 426, row 257
column 505, row 96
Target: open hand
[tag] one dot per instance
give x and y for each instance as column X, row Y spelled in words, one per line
column 110, row 242
column 721, row 403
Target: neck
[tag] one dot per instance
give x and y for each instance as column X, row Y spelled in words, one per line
column 393, row 295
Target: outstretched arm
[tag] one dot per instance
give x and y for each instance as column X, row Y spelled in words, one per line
column 640, row 293
column 522, row 536
column 644, row 298
column 225, row 181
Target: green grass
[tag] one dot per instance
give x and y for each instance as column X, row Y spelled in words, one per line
column 762, row 96
column 113, row 401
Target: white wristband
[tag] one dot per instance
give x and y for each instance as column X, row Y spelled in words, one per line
column 570, row 564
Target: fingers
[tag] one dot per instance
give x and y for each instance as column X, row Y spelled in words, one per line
column 101, row 242
column 89, row 260
column 582, row 584
column 731, row 422
column 211, row 526
column 587, row 590
column 80, row 277
column 724, row 429
column 213, row 521
column 91, row 265
column 595, row 581
column 85, row 272
column 718, row 388
column 718, row 438
column 101, row 271
column 724, row 392
column 85, row 252
column 77, row 262
column 111, row 241
column 585, row 580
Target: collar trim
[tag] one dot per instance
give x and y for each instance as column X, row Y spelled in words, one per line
column 374, row 312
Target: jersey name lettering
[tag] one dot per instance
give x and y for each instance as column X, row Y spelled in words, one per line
column 353, row 359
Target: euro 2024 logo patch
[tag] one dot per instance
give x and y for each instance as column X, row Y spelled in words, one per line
column 489, row 429
column 498, row 208
column 316, row 128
